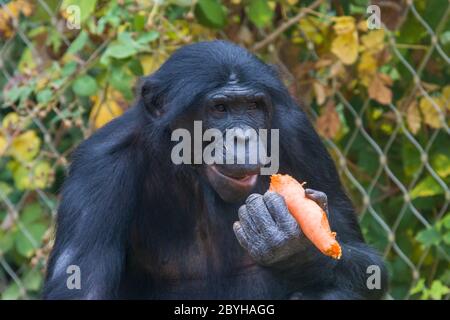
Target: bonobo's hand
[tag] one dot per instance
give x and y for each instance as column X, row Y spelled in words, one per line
column 267, row 230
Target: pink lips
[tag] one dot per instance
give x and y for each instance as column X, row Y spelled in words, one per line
column 247, row 181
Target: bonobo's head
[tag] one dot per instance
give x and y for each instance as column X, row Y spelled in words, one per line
column 238, row 111
column 214, row 97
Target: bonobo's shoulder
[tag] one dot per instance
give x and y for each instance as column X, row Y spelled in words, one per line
column 116, row 135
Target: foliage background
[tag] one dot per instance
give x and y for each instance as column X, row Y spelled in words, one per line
column 380, row 99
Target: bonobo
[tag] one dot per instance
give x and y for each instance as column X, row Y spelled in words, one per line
column 139, row 225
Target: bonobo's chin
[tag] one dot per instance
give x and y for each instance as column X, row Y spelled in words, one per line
column 230, row 188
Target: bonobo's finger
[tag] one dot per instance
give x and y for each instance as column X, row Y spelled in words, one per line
column 280, row 213
column 259, row 214
column 319, row 197
column 240, row 235
column 247, row 222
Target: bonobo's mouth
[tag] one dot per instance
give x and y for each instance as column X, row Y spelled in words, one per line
column 239, row 180
column 231, row 185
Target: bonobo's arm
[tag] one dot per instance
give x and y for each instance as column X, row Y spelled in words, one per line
column 98, row 199
column 272, row 237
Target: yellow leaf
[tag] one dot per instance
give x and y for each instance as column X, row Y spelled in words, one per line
column 42, row 83
column 313, row 28
column 376, row 113
column 27, row 61
column 379, row 90
column 446, row 96
column 3, row 144
column 104, row 110
column 362, row 26
column 386, row 128
column 373, row 41
column 25, row 7
column 9, row 13
column 11, row 121
column 344, row 25
column 431, row 113
column 151, row 62
column 42, row 174
column 25, row 146
column 367, row 67
column 22, row 179
column 39, row 176
column 413, row 117
column 345, row 47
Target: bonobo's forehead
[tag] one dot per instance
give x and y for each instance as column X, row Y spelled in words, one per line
column 236, row 91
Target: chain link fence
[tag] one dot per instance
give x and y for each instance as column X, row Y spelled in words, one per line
column 28, row 204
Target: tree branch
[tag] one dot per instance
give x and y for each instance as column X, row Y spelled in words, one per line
column 286, row 25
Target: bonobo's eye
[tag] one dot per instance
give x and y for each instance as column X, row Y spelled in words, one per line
column 219, row 108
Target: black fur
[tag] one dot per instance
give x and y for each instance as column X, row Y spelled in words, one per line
column 140, row 227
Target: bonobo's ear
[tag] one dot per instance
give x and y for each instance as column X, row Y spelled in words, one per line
column 151, row 97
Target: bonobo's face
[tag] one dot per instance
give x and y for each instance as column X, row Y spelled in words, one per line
column 238, row 112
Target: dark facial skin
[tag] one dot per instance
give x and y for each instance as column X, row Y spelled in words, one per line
column 235, row 106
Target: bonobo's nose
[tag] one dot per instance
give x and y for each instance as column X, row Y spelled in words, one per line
column 242, row 150
column 243, row 135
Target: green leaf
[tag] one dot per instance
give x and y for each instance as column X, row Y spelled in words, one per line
column 420, row 286
column 32, row 280
column 6, row 241
column 433, row 12
column 411, row 31
column 445, row 37
column 446, row 238
column 426, row 188
column 446, row 220
column 5, row 188
column 13, row 94
column 69, row 68
column 23, row 245
column 26, row 246
column 445, row 278
column 78, row 43
column 139, row 22
column 87, row 7
column 44, row 96
column 429, row 237
column 181, row 3
column 368, row 160
column 12, row 292
column 438, row 290
column 410, row 158
column 17, row 93
column 135, row 67
column 148, row 37
column 31, row 213
column 441, row 163
column 210, row 13
column 43, row 14
column 85, row 86
column 259, row 12
column 122, row 81
column 122, row 48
